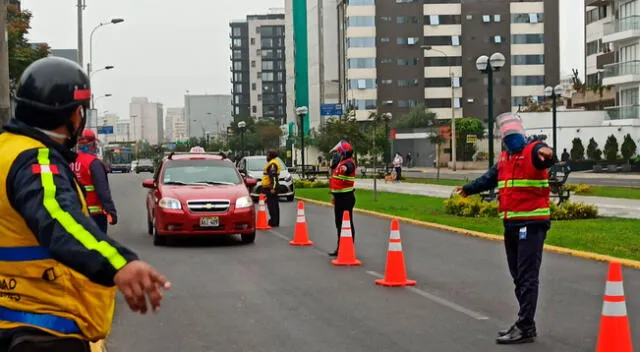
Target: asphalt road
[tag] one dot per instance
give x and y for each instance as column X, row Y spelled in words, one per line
column 605, row 180
column 270, row 296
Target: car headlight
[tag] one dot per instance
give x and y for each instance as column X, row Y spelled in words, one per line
column 286, row 179
column 244, row 202
column 170, row 203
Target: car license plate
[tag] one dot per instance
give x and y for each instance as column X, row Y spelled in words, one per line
column 209, row 222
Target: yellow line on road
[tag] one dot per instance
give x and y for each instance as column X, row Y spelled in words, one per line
column 554, row 249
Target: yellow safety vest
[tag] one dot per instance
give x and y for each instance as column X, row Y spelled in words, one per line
column 36, row 290
column 266, row 178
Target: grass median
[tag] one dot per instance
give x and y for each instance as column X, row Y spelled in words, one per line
column 617, row 237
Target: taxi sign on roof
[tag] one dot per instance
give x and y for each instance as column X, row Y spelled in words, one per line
column 197, row 150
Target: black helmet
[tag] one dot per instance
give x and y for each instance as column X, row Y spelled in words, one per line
column 49, row 90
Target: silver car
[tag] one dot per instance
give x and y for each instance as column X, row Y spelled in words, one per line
column 253, row 166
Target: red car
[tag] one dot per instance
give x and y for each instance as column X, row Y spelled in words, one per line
column 199, row 194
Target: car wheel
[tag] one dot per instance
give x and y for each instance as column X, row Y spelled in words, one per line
column 149, row 226
column 248, row 237
column 157, row 240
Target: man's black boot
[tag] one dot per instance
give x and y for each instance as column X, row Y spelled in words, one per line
column 334, row 253
column 508, row 330
column 516, row 336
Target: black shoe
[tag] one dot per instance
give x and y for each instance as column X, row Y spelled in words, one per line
column 507, row 331
column 334, row 253
column 517, row 336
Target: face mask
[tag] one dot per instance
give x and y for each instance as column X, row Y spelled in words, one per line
column 514, row 142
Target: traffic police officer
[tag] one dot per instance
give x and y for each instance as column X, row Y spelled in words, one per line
column 270, row 177
column 92, row 175
column 60, row 269
column 521, row 176
column 341, row 186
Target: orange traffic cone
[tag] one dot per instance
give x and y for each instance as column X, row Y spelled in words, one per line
column 346, row 250
column 615, row 333
column 263, row 222
column 395, row 274
column 301, row 233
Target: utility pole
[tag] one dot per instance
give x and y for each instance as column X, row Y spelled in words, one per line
column 5, row 102
column 81, row 7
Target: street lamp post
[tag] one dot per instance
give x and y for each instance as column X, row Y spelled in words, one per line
column 454, row 146
column 242, row 126
column 554, row 93
column 302, row 112
column 90, row 63
column 488, row 65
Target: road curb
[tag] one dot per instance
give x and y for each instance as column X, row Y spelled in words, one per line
column 554, row 249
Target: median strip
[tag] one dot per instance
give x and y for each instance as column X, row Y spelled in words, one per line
column 550, row 248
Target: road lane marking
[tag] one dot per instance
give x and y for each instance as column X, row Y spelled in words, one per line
column 439, row 300
column 458, row 308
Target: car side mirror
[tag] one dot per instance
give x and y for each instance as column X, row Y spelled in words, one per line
column 250, row 182
column 149, row 184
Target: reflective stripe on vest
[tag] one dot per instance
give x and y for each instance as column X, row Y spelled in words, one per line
column 344, row 178
column 47, row 321
column 94, row 209
column 528, row 214
column 89, row 188
column 524, row 183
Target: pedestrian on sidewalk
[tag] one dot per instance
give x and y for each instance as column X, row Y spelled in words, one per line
column 409, row 160
column 61, row 270
column 341, row 186
column 397, row 164
column 522, row 178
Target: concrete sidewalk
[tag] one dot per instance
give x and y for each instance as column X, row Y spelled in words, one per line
column 624, row 208
column 578, row 174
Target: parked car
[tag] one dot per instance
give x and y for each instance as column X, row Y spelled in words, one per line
column 199, row 194
column 253, row 166
column 144, row 165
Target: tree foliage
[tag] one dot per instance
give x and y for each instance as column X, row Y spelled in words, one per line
column 21, row 52
column 629, row 147
column 336, row 129
column 611, row 148
column 593, row 152
column 259, row 136
column 464, row 127
column 417, row 117
column 577, row 149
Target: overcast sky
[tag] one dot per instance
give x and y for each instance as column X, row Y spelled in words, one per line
column 167, row 47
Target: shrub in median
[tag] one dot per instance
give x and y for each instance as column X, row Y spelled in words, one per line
column 310, row 184
column 475, row 207
column 579, row 188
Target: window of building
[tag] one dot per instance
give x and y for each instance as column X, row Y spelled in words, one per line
column 407, row 40
column 527, row 80
column 237, row 76
column 258, row 29
column 361, row 42
column 362, row 84
column 408, row 62
column 237, row 88
column 385, row 40
column 253, row 86
column 386, row 60
column 455, row 40
column 386, row 102
column 267, row 54
column 434, row 20
column 437, row 103
column 596, row 14
column 521, row 101
column 266, row 42
column 361, row 63
column 258, row 52
column 258, row 75
column 404, row 1
column 629, row 96
column 236, row 31
column 267, row 76
column 253, row 63
column 435, row 61
column 408, row 103
column 496, row 39
column 237, row 65
column 437, row 82
column 254, row 109
column 442, row 40
column 237, row 54
column 362, row 2
column 365, row 104
column 527, row 59
column 253, row 41
column 237, row 42
column 259, row 97
column 456, row 82
column 486, row 18
column 386, row 81
column 527, row 17
column 267, row 65
column 361, row 21
column 266, row 31
column 406, row 19
column 528, row 39
column 496, row 18
column 385, row 19
column 408, row 83
column 457, row 103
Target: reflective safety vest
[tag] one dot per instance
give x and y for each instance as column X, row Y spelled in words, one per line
column 82, row 168
column 523, row 189
column 36, row 290
column 266, row 177
column 340, row 183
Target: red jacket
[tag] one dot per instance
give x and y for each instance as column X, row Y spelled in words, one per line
column 81, row 167
column 523, row 189
column 341, row 183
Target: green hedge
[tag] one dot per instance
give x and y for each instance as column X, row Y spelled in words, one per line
column 310, row 184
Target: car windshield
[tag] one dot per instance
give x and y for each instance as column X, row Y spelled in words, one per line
column 205, row 172
column 145, row 162
column 258, row 164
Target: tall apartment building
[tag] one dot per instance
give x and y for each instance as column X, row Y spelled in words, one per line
column 400, row 53
column 616, row 51
column 207, row 114
column 172, row 115
column 258, row 67
column 146, row 120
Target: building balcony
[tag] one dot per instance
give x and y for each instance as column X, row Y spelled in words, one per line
column 605, row 59
column 622, row 29
column 597, row 2
column 593, row 99
column 621, row 73
column 623, row 112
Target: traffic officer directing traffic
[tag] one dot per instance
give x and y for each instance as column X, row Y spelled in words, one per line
column 270, row 177
column 60, row 270
column 341, row 186
column 521, row 176
column 92, row 175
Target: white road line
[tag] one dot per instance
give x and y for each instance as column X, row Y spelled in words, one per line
column 456, row 307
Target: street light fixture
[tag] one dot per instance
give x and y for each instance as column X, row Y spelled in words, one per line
column 242, row 126
column 454, row 154
column 554, row 93
column 488, row 65
column 301, row 112
column 113, row 21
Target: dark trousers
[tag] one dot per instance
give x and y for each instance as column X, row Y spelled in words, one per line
column 344, row 202
column 524, row 255
column 398, row 173
column 273, row 204
column 101, row 221
column 27, row 340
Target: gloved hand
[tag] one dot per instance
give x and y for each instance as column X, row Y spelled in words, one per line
column 112, row 219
